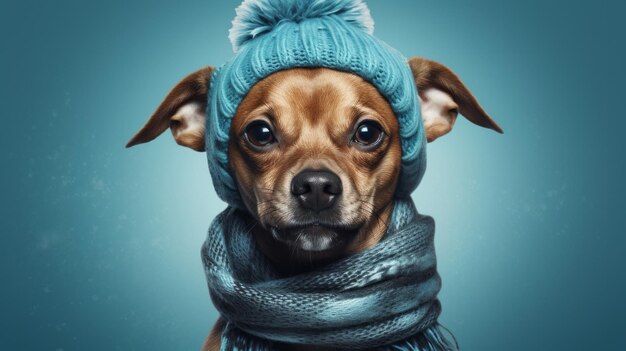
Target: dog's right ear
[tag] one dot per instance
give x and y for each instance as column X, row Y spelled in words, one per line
column 183, row 111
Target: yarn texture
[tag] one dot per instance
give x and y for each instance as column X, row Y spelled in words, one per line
column 273, row 35
column 257, row 17
column 383, row 298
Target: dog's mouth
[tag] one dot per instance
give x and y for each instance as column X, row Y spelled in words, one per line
column 315, row 237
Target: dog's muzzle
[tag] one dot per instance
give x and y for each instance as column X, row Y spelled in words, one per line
column 315, row 195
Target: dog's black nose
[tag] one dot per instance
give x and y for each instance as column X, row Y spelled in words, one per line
column 316, row 190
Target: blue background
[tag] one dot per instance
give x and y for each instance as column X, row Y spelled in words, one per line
column 100, row 245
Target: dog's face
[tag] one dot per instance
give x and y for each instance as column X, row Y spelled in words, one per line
column 316, row 152
column 316, row 156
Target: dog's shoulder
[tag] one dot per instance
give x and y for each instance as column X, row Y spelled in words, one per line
column 213, row 341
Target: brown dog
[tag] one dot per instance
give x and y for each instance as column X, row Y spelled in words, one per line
column 316, row 155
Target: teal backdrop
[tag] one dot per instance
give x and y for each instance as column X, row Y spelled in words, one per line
column 101, row 244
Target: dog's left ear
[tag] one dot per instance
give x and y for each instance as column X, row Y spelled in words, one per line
column 183, row 111
column 443, row 96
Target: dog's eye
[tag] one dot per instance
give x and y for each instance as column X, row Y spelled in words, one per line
column 368, row 133
column 259, row 134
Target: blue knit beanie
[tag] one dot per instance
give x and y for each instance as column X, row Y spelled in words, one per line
column 274, row 35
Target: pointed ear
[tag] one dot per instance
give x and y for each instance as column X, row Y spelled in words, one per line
column 443, row 96
column 183, row 111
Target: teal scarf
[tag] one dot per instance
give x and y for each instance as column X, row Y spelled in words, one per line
column 383, row 298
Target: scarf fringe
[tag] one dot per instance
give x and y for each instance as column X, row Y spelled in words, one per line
column 432, row 339
column 240, row 341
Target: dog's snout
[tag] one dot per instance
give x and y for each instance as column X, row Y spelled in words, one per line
column 316, row 190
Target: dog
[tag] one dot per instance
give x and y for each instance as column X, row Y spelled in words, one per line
column 316, row 155
column 313, row 138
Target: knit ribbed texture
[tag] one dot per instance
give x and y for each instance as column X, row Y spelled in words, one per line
column 310, row 34
column 377, row 298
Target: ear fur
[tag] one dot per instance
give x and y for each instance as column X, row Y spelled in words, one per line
column 182, row 110
column 443, row 95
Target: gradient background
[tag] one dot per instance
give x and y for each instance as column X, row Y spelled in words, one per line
column 100, row 245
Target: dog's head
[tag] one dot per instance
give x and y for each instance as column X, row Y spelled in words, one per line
column 316, row 153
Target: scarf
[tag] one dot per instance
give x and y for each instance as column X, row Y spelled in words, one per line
column 383, row 298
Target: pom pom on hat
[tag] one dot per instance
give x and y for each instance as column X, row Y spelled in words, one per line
column 257, row 17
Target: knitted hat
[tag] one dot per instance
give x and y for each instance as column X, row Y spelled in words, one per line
column 273, row 35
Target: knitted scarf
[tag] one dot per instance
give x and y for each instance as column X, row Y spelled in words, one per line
column 383, row 298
